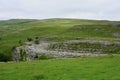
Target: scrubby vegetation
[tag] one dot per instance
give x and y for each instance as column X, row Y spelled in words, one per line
column 29, row 39
column 4, row 57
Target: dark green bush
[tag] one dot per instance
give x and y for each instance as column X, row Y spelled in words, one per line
column 29, row 39
column 36, row 56
column 4, row 58
column 36, row 37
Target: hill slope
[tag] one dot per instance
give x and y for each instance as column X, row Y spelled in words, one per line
column 12, row 31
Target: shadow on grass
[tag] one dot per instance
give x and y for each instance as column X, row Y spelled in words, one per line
column 38, row 77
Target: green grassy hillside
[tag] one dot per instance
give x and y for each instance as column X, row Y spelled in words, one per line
column 90, row 68
column 93, row 35
column 12, row 31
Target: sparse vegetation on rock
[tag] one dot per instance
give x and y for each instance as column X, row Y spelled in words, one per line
column 37, row 41
column 23, row 55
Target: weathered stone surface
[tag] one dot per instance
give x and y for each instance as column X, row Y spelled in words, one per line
column 38, row 49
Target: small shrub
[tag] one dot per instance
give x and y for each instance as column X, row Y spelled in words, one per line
column 36, row 37
column 36, row 56
column 29, row 39
column 36, row 40
column 4, row 57
column 20, row 42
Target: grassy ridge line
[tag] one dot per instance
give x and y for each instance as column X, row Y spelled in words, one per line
column 87, row 68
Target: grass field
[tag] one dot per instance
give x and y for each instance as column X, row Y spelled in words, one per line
column 86, row 68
